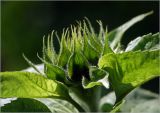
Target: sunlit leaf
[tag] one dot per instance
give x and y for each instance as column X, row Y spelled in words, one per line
column 129, row 70
column 30, row 85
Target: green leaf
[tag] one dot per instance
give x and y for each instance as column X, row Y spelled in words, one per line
column 129, row 70
column 30, row 85
column 38, row 105
column 116, row 35
column 146, row 42
column 97, row 77
column 25, row 105
column 137, row 97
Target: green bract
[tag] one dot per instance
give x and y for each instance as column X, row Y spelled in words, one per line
column 80, row 75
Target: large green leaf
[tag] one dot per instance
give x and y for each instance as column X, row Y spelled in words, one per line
column 129, row 70
column 145, row 42
column 30, row 85
column 116, row 35
column 24, row 105
column 38, row 105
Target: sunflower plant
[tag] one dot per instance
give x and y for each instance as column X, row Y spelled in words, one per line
column 91, row 72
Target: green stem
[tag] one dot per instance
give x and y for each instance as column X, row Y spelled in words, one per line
column 96, row 94
column 80, row 109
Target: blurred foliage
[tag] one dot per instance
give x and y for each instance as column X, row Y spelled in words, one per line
column 25, row 23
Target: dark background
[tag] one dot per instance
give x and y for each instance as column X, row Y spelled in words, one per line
column 23, row 24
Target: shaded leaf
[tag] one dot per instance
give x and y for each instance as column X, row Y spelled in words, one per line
column 25, row 105
column 39, row 105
